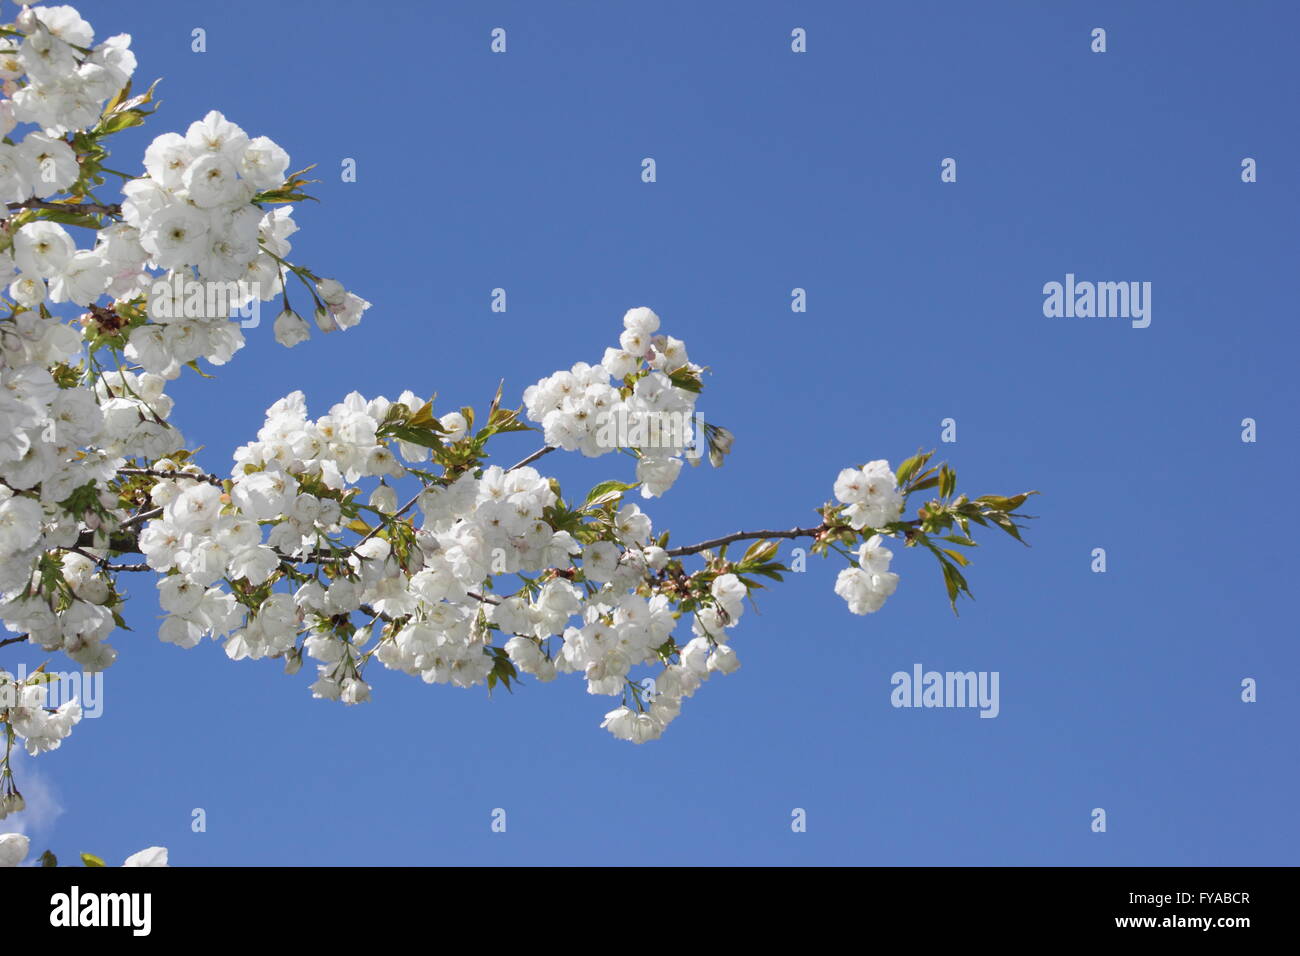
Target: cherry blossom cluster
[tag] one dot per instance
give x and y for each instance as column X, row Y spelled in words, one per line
column 83, row 412
column 424, row 594
column 56, row 78
column 39, row 727
column 650, row 411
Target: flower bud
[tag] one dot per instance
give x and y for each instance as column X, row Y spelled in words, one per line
column 325, row 321
column 331, row 291
column 290, row 329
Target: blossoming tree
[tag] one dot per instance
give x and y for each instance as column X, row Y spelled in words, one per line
column 475, row 575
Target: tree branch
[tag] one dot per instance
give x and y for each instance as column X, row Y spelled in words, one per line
column 84, row 208
column 532, row 458
column 153, row 473
column 745, row 536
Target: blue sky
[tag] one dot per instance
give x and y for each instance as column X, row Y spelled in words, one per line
column 779, row 170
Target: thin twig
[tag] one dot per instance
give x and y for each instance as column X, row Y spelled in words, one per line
column 745, row 536
column 153, row 473
column 104, row 562
column 533, row 457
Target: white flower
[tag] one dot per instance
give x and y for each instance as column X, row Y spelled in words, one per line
column 65, row 23
column 211, row 180
column 871, row 493
column 641, row 320
column 354, row 691
column 865, row 588
column 53, row 163
column 167, row 158
column 17, row 174
column 291, row 328
column 724, row 660
column 28, row 291
column 600, row 560
column 176, row 236
column 254, row 564
column 632, row 524
column 456, row 426
column 695, row 656
column 82, row 279
column 670, row 353
column 150, row 856
column 618, row 363
column 657, row 475
column 43, row 249
column 626, row 724
column 13, row 848
column 177, row 594
column 20, row 524
column 730, row 594
column 873, row 556
column 216, row 134
column 263, row 163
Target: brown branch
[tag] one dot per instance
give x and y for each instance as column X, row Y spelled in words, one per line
column 83, row 208
column 153, row 473
column 532, row 458
column 745, row 536
column 13, row 640
column 104, row 562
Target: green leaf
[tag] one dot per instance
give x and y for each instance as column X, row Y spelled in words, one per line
column 950, row 583
column 120, row 121
column 956, row 556
column 83, row 219
column 947, row 482
column 89, row 859
column 414, row 436
column 1007, row 525
column 605, row 492
column 686, row 378
column 910, row 466
column 49, row 859
column 955, row 584
column 998, row 503
column 423, row 416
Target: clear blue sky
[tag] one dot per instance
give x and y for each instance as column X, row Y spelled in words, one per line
column 775, row 170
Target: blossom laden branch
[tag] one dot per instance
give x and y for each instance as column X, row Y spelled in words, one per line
column 484, row 575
